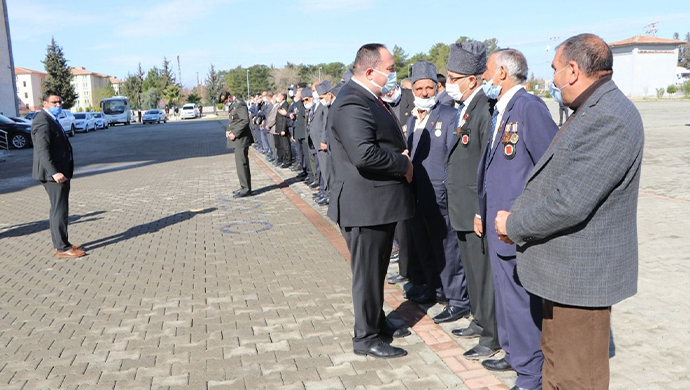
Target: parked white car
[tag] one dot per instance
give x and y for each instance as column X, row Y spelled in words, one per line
column 154, row 116
column 68, row 122
column 85, row 121
column 101, row 120
column 189, row 111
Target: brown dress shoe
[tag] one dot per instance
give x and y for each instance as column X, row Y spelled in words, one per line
column 71, row 253
column 75, row 247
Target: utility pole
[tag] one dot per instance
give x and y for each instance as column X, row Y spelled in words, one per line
column 179, row 70
column 247, row 83
column 319, row 74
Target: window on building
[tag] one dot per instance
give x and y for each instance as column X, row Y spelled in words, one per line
column 25, row 83
column 26, row 95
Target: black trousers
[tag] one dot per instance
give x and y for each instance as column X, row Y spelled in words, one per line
column 285, row 152
column 408, row 256
column 480, row 287
column 370, row 252
column 59, row 212
column 242, row 164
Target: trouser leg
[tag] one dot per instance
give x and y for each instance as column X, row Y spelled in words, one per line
column 59, row 213
column 242, row 165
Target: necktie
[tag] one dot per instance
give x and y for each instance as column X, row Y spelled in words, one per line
column 385, row 106
column 494, row 118
column 457, row 118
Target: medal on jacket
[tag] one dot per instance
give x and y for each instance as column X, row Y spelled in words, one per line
column 510, row 139
column 404, row 129
column 438, row 132
column 465, row 137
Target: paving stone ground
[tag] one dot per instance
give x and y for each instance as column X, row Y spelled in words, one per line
column 185, row 287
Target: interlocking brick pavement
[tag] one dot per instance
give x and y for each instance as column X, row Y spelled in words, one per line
column 185, row 287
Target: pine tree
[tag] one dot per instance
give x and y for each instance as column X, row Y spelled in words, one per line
column 59, row 75
column 214, row 83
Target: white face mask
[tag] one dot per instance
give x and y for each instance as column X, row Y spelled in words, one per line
column 392, row 99
column 309, row 105
column 424, row 104
column 315, row 95
column 324, row 102
column 454, row 90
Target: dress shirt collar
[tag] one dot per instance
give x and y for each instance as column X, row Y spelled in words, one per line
column 505, row 99
column 365, row 87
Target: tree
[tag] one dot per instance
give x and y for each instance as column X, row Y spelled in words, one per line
column 149, row 99
column 152, row 80
column 132, row 87
column 194, row 97
column 213, row 83
column 282, row 78
column 259, row 79
column 59, row 75
column 438, row 55
column 103, row 93
column 491, row 46
column 167, row 75
column 236, row 81
column 172, row 94
column 532, row 83
column 400, row 59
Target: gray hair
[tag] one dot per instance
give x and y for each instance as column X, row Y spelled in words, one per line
column 590, row 53
column 514, row 62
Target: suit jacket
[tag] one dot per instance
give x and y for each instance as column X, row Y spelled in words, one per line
column 463, row 158
column 576, row 222
column 446, row 99
column 406, row 105
column 428, row 149
column 300, row 120
column 368, row 186
column 318, row 125
column 52, row 149
column 238, row 125
column 501, row 177
column 271, row 119
column 282, row 120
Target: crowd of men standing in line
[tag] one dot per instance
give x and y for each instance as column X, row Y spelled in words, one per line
column 528, row 228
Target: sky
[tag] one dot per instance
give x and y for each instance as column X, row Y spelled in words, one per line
column 113, row 37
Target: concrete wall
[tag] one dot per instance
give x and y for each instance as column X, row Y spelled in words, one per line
column 8, row 89
column 640, row 70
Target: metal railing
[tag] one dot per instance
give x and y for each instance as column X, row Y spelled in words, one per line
column 4, row 145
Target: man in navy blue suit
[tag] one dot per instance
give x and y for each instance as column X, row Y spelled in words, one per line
column 521, row 131
column 430, row 131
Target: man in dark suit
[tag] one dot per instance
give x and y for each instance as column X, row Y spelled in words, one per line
column 282, row 132
column 370, row 193
column 317, row 128
column 430, row 131
column 522, row 130
column 466, row 63
column 406, row 104
column 442, row 96
column 53, row 166
column 239, row 137
column 575, row 223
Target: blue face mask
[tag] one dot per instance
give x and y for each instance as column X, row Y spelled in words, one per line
column 391, row 82
column 490, row 90
column 555, row 91
column 55, row 110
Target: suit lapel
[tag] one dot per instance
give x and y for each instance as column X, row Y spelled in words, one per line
column 387, row 113
column 501, row 126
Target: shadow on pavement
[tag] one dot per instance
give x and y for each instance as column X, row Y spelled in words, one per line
column 150, row 227
column 283, row 184
column 38, row 226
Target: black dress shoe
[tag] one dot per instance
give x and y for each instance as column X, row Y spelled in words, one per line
column 522, row 388
column 397, row 278
column 392, row 331
column 383, row 351
column 395, row 256
column 283, row 165
column 427, row 297
column 313, row 185
column 497, row 365
column 450, row 314
column 242, row 194
column 323, row 202
column 480, row 352
column 466, row 333
column 414, row 290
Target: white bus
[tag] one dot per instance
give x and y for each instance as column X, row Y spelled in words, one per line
column 117, row 110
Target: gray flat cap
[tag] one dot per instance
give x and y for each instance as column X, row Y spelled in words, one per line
column 306, row 93
column 348, row 75
column 467, row 58
column 423, row 70
column 323, row 88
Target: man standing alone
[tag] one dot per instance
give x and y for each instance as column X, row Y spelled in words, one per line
column 239, row 137
column 53, row 166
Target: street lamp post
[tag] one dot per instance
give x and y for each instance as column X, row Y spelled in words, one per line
column 247, row 83
column 319, row 74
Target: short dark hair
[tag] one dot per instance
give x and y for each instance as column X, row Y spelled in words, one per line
column 590, row 53
column 47, row 94
column 441, row 79
column 368, row 56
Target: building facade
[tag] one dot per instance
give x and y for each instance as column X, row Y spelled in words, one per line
column 643, row 64
column 29, row 88
column 8, row 88
column 86, row 83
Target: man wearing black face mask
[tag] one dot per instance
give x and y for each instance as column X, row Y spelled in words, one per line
column 370, row 191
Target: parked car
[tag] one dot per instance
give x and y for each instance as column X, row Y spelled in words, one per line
column 19, row 119
column 154, row 116
column 68, row 122
column 189, row 110
column 30, row 115
column 85, row 121
column 18, row 134
column 101, row 120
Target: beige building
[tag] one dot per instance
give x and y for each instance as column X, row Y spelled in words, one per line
column 117, row 84
column 86, row 83
column 29, row 88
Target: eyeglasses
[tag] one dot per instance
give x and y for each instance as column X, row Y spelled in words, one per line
column 55, row 102
column 454, row 79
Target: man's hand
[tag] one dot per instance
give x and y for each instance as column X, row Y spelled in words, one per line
column 230, row 135
column 478, row 229
column 292, row 139
column 410, row 167
column 282, row 134
column 59, row 178
column 282, row 112
column 292, row 116
column 324, row 147
column 501, row 228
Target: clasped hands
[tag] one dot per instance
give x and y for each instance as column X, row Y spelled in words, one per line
column 410, row 167
column 230, row 135
column 501, row 223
